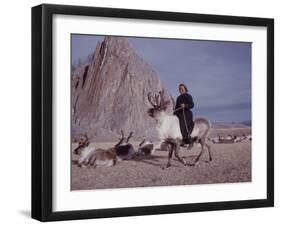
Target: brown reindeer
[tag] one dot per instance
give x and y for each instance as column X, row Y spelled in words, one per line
column 124, row 149
column 102, row 157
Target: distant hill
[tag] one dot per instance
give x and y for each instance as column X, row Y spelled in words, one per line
column 247, row 123
column 227, row 125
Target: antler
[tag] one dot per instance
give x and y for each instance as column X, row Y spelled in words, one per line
column 157, row 99
column 120, row 139
column 122, row 134
column 129, row 137
column 149, row 97
column 141, row 143
column 163, row 103
column 86, row 136
column 174, row 102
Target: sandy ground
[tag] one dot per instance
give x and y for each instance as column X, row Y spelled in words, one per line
column 231, row 163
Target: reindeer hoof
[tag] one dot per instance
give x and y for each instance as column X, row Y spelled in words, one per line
column 209, row 160
column 190, row 164
column 164, row 167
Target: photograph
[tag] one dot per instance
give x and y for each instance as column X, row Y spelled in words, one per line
column 148, row 111
column 143, row 112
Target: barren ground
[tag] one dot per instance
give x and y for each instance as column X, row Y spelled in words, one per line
column 231, row 163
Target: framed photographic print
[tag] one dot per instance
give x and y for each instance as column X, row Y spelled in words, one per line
column 145, row 112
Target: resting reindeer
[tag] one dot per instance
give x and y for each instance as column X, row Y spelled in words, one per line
column 124, row 149
column 169, row 129
column 101, row 157
column 145, row 148
column 227, row 140
column 89, row 156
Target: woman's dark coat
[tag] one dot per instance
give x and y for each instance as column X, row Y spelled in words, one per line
column 187, row 100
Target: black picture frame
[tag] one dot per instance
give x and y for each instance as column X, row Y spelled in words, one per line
column 42, row 107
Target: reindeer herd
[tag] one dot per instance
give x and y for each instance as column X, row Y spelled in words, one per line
column 230, row 139
column 122, row 150
column 169, row 139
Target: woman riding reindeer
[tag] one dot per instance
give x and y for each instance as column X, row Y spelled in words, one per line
column 182, row 110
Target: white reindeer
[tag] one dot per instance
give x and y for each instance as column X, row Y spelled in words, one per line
column 169, row 129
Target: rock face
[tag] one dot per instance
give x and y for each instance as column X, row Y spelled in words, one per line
column 109, row 94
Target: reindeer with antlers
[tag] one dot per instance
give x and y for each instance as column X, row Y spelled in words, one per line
column 89, row 156
column 123, row 148
column 169, row 129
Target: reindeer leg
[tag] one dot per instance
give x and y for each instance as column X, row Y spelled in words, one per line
column 189, row 147
column 80, row 162
column 94, row 165
column 209, row 151
column 202, row 142
column 92, row 161
column 177, row 147
column 170, row 156
column 77, row 150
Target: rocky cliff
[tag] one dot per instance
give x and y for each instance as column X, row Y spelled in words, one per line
column 110, row 92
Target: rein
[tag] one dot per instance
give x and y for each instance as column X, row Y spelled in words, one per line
column 178, row 109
